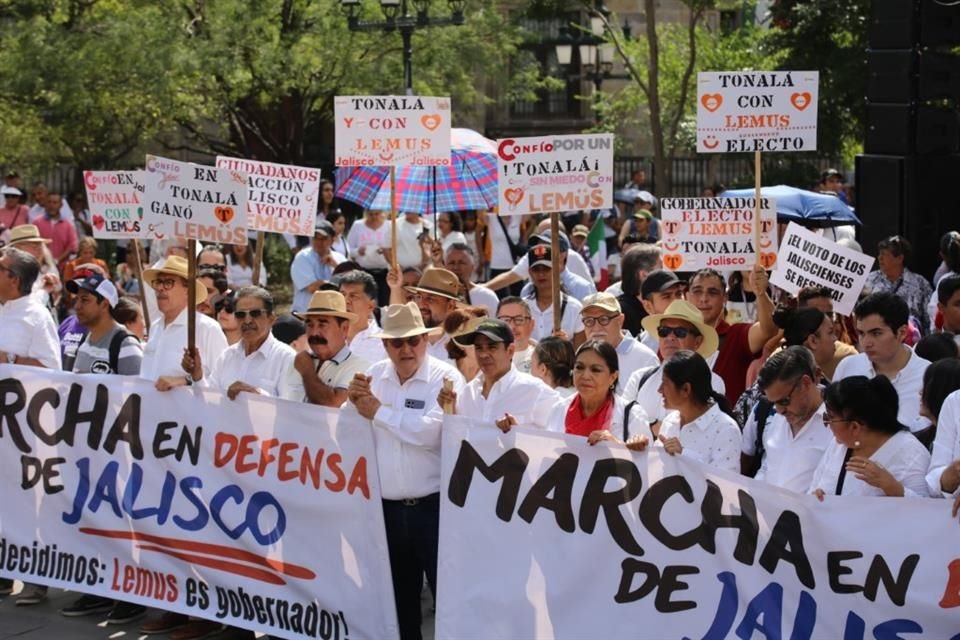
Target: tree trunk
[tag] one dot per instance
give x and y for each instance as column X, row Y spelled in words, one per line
column 661, row 168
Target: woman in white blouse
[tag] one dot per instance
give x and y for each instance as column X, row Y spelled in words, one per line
column 699, row 424
column 873, row 454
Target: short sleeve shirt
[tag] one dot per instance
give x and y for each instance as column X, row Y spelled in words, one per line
column 94, row 356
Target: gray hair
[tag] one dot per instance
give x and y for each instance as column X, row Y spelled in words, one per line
column 258, row 293
column 639, row 257
column 358, row 277
column 24, row 266
column 460, row 246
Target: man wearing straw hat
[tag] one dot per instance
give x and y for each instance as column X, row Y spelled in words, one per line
column 27, row 238
column 678, row 328
column 398, row 397
column 163, row 354
column 436, row 295
column 603, row 320
column 328, row 365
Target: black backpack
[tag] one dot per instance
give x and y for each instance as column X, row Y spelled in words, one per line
column 115, row 345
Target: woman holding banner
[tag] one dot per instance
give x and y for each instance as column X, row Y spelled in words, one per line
column 873, row 454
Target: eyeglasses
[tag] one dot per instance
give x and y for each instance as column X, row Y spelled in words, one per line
column 829, row 421
column 514, row 320
column 397, row 343
column 787, row 399
column 589, row 321
column 164, row 284
column 680, row 332
column 253, row 313
column 216, row 267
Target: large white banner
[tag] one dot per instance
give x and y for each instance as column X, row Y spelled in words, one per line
column 544, row 536
column 258, row 513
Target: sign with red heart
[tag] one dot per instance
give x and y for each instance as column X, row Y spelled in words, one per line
column 113, row 198
column 281, row 198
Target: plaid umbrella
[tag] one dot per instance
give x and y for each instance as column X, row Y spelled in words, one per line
column 468, row 182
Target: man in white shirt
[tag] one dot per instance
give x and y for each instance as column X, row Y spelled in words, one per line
column 574, row 276
column 603, row 320
column 658, row 289
column 328, row 365
column 437, row 294
column 540, row 299
column 500, row 394
column 679, row 328
column 359, row 291
column 313, row 267
column 460, row 259
column 258, row 363
column 29, row 335
column 47, row 286
column 163, row 354
column 398, row 397
column 792, row 441
column 882, row 327
column 516, row 313
column 411, row 230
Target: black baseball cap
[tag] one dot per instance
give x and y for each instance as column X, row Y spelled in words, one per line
column 287, row 328
column 659, row 281
column 495, row 330
column 325, row 228
column 540, row 254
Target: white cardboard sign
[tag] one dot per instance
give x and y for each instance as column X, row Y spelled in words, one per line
column 717, row 233
column 391, row 131
column 282, row 198
column 115, row 199
column 555, row 173
column 187, row 200
column 739, row 111
column 807, row 259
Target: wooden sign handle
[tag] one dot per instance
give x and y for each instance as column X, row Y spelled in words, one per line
column 191, row 295
column 757, row 176
column 555, row 268
column 143, row 292
column 258, row 259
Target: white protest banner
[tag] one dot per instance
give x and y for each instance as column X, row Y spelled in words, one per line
column 282, row 198
column 186, row 200
column 115, row 199
column 717, row 233
column 757, row 111
column 390, row 131
column 255, row 512
column 545, row 536
column 555, row 173
column 808, row 259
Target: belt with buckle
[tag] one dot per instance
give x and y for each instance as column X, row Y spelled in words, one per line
column 412, row 502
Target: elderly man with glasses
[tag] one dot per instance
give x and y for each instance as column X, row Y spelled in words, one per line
column 603, row 320
column 516, row 312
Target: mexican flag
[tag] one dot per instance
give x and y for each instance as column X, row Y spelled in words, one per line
column 597, row 246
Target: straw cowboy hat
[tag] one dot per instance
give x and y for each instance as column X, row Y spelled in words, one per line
column 174, row 266
column 438, row 282
column 683, row 310
column 26, row 233
column 327, row 303
column 402, row 321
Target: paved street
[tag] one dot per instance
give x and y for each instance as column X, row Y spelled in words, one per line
column 43, row 622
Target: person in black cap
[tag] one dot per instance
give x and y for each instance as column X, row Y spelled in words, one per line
column 313, row 266
column 290, row 331
column 658, row 290
column 539, row 298
column 499, row 393
column 831, row 181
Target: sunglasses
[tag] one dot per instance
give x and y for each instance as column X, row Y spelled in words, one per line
column 397, row 343
column 216, row 267
column 253, row 313
column 680, row 332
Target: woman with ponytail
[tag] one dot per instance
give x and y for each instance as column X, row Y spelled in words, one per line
column 699, row 423
column 873, row 454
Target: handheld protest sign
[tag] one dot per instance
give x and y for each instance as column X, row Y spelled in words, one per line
column 115, row 199
column 742, row 111
column 391, row 131
column 555, row 173
column 718, row 233
column 280, row 198
column 555, row 271
column 138, row 261
column 808, row 259
column 195, row 202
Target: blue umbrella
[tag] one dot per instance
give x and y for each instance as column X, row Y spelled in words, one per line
column 808, row 208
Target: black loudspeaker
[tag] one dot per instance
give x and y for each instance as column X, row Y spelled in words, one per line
column 901, row 129
column 939, row 22
column 893, row 24
column 891, row 75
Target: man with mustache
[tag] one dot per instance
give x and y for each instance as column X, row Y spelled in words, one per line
column 327, row 366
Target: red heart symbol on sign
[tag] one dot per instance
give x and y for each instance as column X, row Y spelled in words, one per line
column 672, row 261
column 430, row 121
column 223, row 214
column 767, row 259
column 98, row 222
column 711, row 142
column 800, row 101
column 513, row 196
column 711, row 101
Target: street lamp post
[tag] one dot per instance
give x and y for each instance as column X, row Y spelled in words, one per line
column 399, row 18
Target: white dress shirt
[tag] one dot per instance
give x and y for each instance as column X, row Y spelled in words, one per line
column 483, row 297
column 648, row 396
column 164, row 350
column 902, row 455
column 633, row 356
column 438, row 349
column 908, row 382
column 406, row 436
column 946, row 445
column 570, row 321
column 639, row 425
column 521, row 395
column 365, row 346
column 270, row 369
column 713, row 438
column 28, row 330
column 522, row 358
column 789, row 460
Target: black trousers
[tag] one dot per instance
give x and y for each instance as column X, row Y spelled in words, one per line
column 413, row 531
